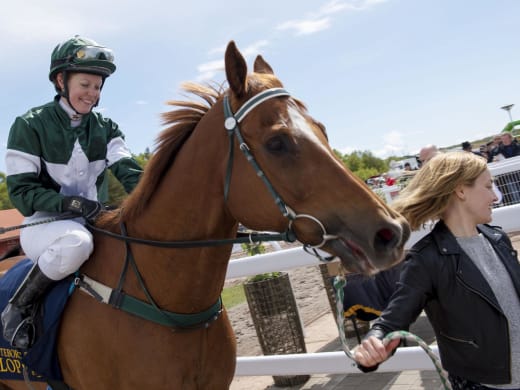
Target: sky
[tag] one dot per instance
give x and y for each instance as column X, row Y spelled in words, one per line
column 385, row 76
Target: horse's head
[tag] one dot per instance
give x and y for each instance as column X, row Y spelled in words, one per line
column 333, row 209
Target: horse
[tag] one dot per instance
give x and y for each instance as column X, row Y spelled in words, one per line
column 247, row 154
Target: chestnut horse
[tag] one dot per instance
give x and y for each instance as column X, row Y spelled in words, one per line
column 249, row 155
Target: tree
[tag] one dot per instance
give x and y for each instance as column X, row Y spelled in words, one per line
column 363, row 164
column 5, row 202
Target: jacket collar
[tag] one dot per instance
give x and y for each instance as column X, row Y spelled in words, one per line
column 447, row 243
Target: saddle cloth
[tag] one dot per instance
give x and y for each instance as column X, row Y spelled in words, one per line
column 41, row 359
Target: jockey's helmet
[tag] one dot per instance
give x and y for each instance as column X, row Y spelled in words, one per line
column 84, row 55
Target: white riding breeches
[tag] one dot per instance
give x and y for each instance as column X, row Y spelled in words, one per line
column 59, row 247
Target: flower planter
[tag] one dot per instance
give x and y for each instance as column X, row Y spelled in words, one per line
column 277, row 322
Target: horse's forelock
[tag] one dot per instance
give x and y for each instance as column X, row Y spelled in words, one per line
column 257, row 82
column 181, row 121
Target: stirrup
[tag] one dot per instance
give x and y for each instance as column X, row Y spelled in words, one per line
column 27, row 326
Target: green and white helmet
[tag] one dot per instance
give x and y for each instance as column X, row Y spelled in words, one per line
column 84, row 55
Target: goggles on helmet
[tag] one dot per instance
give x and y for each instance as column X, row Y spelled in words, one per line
column 94, row 53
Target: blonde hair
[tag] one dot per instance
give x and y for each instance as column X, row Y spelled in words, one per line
column 427, row 195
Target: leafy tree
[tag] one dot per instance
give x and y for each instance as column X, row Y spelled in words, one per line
column 5, row 202
column 363, row 164
column 143, row 158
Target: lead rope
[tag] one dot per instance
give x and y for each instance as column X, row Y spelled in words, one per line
column 339, row 283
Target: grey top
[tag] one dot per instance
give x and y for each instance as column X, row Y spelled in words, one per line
column 485, row 258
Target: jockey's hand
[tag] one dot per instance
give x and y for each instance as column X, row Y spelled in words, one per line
column 88, row 209
column 372, row 351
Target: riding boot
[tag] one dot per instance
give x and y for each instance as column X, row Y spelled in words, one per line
column 17, row 317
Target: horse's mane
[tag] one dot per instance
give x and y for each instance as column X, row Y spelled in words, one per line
column 181, row 121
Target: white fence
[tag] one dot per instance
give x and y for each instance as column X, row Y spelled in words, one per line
column 411, row 358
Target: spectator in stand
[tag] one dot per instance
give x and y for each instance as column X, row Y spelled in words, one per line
column 493, row 147
column 407, row 166
column 508, row 148
column 427, row 153
column 483, row 149
column 466, row 147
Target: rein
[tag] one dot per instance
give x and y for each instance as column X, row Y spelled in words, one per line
column 250, row 238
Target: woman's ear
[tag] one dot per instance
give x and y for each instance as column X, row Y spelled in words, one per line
column 60, row 82
column 460, row 192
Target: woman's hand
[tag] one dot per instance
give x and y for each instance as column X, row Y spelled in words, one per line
column 372, row 351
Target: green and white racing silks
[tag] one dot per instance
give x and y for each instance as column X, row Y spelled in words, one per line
column 47, row 158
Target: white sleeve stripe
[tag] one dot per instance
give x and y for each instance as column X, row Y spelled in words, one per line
column 116, row 150
column 20, row 162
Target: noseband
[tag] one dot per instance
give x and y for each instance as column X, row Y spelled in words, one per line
column 231, row 123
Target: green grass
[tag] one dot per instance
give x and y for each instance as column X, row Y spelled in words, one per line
column 232, row 296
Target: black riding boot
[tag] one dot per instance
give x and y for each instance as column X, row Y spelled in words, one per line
column 17, row 321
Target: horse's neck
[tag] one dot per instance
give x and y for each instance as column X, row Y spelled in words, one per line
column 188, row 205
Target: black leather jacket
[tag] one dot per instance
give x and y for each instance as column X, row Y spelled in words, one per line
column 472, row 331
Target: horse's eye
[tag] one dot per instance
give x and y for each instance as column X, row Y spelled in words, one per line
column 277, row 144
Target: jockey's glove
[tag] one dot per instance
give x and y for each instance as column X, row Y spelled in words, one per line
column 88, row 209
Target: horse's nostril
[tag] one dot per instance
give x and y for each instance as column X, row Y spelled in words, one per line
column 386, row 239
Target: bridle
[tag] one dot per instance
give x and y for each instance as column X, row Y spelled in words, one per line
column 231, row 123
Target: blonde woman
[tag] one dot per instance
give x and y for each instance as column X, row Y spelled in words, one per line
column 464, row 274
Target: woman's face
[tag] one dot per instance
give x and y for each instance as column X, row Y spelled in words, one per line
column 479, row 198
column 84, row 90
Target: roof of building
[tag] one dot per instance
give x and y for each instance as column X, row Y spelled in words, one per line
column 10, row 218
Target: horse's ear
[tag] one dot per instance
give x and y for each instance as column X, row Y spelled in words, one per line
column 236, row 69
column 261, row 66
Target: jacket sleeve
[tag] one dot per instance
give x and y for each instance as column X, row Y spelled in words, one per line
column 413, row 290
column 26, row 191
column 128, row 172
column 120, row 161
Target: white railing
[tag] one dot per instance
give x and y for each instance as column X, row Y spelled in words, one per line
column 411, row 358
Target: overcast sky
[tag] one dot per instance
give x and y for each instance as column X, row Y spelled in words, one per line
column 388, row 76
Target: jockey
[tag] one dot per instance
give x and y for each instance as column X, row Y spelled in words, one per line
column 56, row 160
